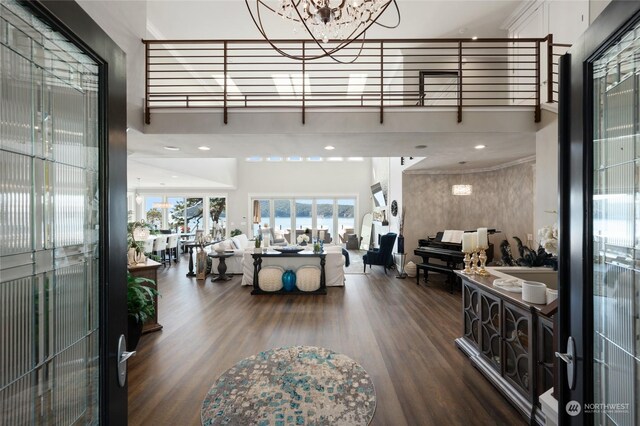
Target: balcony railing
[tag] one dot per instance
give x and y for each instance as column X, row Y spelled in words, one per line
column 412, row 73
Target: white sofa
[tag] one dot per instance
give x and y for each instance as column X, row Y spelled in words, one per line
column 239, row 244
column 333, row 268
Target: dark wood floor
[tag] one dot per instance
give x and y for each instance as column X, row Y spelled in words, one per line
column 400, row 333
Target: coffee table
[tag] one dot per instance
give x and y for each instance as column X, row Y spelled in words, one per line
column 222, row 266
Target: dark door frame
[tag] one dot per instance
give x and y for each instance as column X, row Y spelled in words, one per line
column 70, row 19
column 575, row 129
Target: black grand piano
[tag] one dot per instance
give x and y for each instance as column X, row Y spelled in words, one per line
column 449, row 255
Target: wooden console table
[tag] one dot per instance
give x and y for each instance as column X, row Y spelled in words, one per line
column 509, row 341
column 149, row 270
column 257, row 265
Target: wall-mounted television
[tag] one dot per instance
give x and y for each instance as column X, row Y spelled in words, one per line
column 378, row 196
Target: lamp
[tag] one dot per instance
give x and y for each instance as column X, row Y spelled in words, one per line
column 342, row 21
column 461, row 189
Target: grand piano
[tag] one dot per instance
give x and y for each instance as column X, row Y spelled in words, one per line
column 448, row 254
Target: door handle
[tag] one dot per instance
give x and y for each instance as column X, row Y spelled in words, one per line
column 570, row 359
column 123, row 356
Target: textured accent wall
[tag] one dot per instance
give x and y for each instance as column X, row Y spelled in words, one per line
column 501, row 199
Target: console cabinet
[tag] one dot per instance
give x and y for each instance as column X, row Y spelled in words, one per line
column 508, row 340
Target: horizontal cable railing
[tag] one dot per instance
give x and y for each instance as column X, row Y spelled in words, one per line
column 556, row 50
column 429, row 73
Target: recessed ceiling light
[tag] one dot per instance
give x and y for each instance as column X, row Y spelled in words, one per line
column 172, row 148
column 204, row 148
column 329, row 147
column 474, row 38
column 174, row 176
column 480, row 146
column 420, row 146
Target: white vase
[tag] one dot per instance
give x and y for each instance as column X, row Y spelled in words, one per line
column 135, row 257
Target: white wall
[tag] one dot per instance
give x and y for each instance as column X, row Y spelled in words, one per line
column 125, row 21
column 546, row 172
column 331, row 179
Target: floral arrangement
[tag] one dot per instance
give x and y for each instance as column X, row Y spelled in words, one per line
column 548, row 236
column 302, row 238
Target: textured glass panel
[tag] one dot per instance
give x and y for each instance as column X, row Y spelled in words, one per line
column 49, row 301
column 69, row 306
column 15, row 203
column 15, row 102
column 17, row 329
column 67, row 122
column 616, row 225
column 69, row 398
column 18, row 401
column 69, row 206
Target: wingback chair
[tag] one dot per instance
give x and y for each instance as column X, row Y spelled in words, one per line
column 381, row 256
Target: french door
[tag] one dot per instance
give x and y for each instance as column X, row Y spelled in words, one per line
column 599, row 132
column 62, row 217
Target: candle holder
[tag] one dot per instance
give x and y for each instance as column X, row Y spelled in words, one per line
column 474, row 262
column 483, row 259
column 467, row 261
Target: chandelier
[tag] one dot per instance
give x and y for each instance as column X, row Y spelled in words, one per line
column 331, row 24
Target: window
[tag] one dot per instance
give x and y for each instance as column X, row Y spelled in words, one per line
column 153, row 215
column 193, row 212
column 175, row 214
column 328, row 218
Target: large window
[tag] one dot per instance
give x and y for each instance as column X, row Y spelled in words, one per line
column 153, row 214
column 328, row 218
column 186, row 214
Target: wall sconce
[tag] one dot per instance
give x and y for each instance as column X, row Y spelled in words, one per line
column 461, row 189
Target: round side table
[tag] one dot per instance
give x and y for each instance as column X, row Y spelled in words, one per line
column 222, row 266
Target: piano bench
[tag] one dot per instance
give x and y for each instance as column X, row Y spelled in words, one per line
column 442, row 269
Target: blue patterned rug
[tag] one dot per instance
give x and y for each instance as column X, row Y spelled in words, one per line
column 299, row 385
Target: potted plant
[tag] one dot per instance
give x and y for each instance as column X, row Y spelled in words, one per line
column 140, row 306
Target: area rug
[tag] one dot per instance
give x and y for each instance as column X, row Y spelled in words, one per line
column 298, row 385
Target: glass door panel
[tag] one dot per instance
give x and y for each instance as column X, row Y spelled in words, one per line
column 175, row 214
column 49, row 204
column 194, row 214
column 282, row 217
column 153, row 214
column 217, row 213
column 304, row 216
column 616, row 234
column 346, row 218
column 324, row 221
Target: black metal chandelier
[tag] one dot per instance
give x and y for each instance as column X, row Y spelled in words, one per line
column 331, row 24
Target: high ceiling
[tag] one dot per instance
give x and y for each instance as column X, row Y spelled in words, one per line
column 229, row 19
